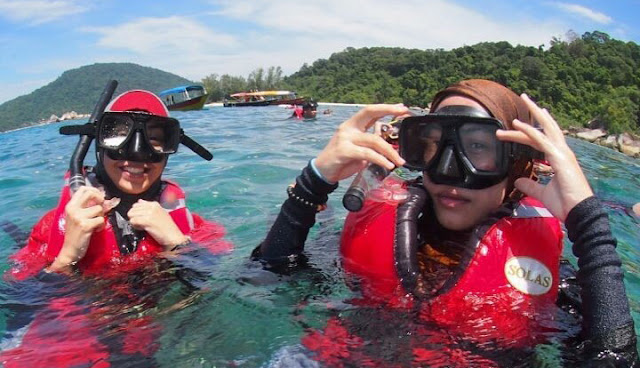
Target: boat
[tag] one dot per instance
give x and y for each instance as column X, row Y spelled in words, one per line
column 264, row 98
column 245, row 99
column 184, row 98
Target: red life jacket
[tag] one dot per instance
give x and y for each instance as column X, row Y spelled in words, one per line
column 505, row 289
column 297, row 112
column 103, row 256
column 67, row 332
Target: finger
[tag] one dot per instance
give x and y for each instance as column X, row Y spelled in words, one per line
column 92, row 212
column 366, row 117
column 555, row 152
column 542, row 141
column 80, row 196
column 89, row 197
column 517, row 137
column 140, row 210
column 548, row 123
column 95, row 223
column 136, row 223
column 375, row 158
column 530, row 188
column 379, row 145
column 136, row 212
column 140, row 205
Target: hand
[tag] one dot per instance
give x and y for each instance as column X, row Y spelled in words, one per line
column 569, row 186
column 152, row 218
column 84, row 214
column 351, row 148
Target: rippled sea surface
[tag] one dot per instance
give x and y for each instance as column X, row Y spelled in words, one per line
column 242, row 315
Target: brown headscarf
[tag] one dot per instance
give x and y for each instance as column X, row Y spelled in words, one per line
column 504, row 105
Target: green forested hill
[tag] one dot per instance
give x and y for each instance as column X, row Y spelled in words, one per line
column 79, row 89
column 588, row 78
column 581, row 79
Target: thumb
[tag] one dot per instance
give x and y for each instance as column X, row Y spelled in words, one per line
column 530, row 188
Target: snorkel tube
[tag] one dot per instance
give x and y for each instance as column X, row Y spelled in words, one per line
column 368, row 179
column 87, row 133
column 371, row 176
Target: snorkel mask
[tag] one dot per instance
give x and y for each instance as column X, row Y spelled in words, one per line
column 138, row 136
column 134, row 126
column 457, row 146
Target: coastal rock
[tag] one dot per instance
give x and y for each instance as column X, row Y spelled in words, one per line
column 626, row 139
column 610, row 141
column 71, row 115
column 625, row 142
column 631, row 150
column 628, row 145
column 591, row 135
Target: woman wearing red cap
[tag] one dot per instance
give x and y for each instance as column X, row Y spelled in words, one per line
column 113, row 227
column 472, row 248
column 126, row 213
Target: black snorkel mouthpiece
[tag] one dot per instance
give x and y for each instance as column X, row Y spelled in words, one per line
column 87, row 132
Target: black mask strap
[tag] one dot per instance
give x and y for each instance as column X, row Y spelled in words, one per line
column 463, row 110
column 196, row 147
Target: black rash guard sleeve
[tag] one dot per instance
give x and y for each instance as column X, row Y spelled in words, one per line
column 607, row 323
column 285, row 240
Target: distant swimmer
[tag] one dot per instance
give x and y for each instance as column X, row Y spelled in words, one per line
column 308, row 110
column 636, row 209
column 297, row 112
column 327, row 112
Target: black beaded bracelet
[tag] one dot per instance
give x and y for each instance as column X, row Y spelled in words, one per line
column 316, row 206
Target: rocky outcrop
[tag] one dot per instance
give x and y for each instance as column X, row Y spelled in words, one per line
column 591, row 135
column 66, row 116
column 625, row 142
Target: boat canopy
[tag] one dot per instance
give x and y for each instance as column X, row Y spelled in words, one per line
column 190, row 90
column 263, row 93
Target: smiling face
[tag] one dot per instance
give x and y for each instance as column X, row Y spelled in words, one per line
column 459, row 208
column 133, row 177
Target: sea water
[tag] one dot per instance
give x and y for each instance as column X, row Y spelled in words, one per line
column 244, row 315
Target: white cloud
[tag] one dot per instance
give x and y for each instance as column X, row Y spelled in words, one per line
column 176, row 44
column 159, row 36
column 585, row 12
column 38, row 11
column 412, row 23
column 288, row 33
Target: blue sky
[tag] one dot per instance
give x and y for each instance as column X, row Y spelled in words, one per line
column 39, row 39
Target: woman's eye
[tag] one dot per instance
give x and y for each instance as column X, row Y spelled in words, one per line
column 478, row 146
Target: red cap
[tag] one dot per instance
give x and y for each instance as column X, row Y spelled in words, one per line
column 138, row 100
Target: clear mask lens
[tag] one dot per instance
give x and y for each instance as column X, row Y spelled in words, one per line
column 455, row 150
column 114, row 132
column 161, row 135
column 481, row 147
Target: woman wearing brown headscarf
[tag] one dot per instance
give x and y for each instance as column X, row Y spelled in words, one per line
column 475, row 245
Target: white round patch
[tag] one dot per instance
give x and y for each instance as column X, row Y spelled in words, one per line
column 528, row 275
